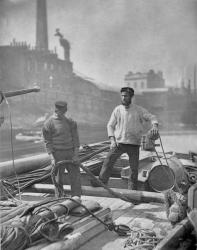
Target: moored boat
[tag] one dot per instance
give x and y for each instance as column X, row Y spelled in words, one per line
column 143, row 212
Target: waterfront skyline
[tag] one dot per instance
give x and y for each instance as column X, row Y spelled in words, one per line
column 110, row 38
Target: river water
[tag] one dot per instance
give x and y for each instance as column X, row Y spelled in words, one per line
column 182, row 143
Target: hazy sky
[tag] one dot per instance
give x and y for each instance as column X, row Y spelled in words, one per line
column 111, row 37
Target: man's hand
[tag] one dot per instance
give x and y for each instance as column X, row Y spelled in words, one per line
column 154, row 131
column 113, row 142
column 52, row 160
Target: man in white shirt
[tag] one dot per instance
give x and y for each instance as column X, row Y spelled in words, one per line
column 125, row 130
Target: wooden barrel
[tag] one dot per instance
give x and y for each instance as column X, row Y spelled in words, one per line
column 164, row 175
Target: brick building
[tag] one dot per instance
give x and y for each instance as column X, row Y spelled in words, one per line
column 22, row 66
column 141, row 81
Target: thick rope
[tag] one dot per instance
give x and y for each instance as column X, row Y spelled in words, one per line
column 141, row 239
column 31, row 228
column 35, row 176
column 12, row 146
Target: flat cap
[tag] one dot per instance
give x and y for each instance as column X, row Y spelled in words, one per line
column 127, row 89
column 60, row 104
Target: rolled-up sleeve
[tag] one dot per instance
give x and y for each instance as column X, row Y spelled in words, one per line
column 47, row 136
column 148, row 116
column 112, row 124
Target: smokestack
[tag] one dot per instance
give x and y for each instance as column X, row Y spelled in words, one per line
column 41, row 26
column 195, row 87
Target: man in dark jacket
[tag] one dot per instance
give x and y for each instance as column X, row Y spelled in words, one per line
column 62, row 143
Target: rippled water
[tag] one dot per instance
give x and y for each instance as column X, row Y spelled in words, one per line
column 180, row 143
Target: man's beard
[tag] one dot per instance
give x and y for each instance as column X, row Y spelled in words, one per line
column 127, row 103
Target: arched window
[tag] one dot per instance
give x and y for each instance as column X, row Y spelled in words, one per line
column 142, row 85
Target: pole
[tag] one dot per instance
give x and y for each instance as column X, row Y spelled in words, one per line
column 21, row 92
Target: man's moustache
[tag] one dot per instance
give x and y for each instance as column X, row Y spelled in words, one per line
column 126, row 103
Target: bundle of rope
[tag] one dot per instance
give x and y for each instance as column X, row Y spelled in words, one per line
column 141, row 239
column 6, row 188
column 11, row 185
column 175, row 205
column 28, row 231
column 8, row 204
column 38, row 225
column 9, row 215
column 191, row 172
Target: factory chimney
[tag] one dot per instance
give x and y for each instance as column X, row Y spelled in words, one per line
column 195, row 84
column 41, row 26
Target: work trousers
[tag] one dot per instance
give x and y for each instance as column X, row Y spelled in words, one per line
column 113, row 155
column 73, row 171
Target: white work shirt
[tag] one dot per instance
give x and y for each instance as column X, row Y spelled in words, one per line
column 128, row 125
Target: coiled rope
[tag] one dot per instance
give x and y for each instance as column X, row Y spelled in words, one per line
column 44, row 225
column 141, row 239
column 32, row 228
column 27, row 179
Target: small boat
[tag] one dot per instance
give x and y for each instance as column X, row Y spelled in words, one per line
column 29, row 136
column 142, row 214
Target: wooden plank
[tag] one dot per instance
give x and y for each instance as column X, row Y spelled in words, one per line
column 92, row 222
column 79, row 236
column 85, row 181
column 146, row 216
column 74, row 241
column 113, row 182
column 108, row 202
column 117, row 204
column 100, row 200
column 78, row 222
column 110, row 240
column 192, row 215
column 131, row 195
column 171, row 240
column 130, row 214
